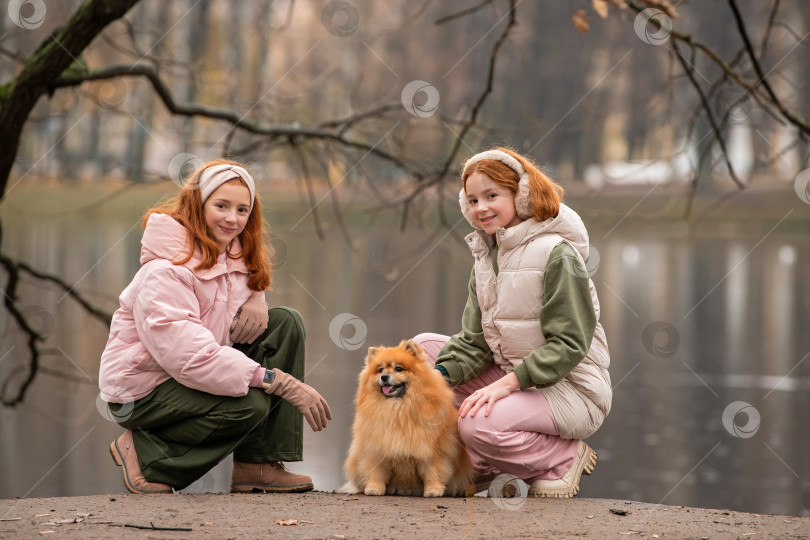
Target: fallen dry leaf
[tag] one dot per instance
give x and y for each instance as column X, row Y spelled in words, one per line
column 665, row 6
column 581, row 21
column 618, row 511
column 588, row 517
column 287, row 522
column 15, row 519
column 631, row 531
column 210, row 523
column 339, row 536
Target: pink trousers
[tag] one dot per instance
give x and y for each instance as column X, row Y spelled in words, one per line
column 519, row 437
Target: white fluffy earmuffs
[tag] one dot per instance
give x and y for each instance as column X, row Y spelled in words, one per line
column 523, row 202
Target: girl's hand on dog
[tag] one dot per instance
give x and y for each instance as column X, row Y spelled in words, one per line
column 489, row 395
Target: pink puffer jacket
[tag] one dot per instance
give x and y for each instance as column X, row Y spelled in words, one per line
column 174, row 322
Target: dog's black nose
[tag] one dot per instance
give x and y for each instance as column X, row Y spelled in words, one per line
column 384, row 378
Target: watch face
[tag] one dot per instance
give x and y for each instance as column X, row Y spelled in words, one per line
column 269, row 376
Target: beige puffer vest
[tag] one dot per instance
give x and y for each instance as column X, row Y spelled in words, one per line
column 510, row 305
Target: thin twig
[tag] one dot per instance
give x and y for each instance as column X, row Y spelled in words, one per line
column 152, row 527
column 750, row 50
column 302, row 163
column 717, row 132
column 462, row 13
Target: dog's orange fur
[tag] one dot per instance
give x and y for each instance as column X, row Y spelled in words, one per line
column 406, row 445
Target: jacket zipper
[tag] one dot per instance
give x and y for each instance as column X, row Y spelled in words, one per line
column 228, row 303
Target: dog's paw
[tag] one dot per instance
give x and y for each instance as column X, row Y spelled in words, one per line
column 348, row 488
column 374, row 489
column 433, row 491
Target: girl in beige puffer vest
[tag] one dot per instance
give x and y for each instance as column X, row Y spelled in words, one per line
column 529, row 366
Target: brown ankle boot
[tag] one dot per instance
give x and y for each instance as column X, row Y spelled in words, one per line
column 269, row 477
column 122, row 450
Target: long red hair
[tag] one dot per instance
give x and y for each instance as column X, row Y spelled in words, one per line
column 187, row 209
column 545, row 193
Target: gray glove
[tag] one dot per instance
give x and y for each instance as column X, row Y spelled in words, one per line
column 305, row 398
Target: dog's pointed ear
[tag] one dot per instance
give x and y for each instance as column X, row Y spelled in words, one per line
column 371, row 352
column 412, row 347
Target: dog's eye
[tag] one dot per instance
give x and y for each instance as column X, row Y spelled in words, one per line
column 380, row 370
column 397, row 369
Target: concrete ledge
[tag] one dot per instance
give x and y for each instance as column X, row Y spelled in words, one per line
column 331, row 515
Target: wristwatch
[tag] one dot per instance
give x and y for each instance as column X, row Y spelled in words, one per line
column 269, row 376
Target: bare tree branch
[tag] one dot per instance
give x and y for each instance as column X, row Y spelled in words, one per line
column 462, row 13
column 238, row 121
column 54, row 55
column 750, row 49
column 70, row 290
column 768, row 29
column 34, row 337
column 451, row 157
column 302, row 163
column 755, row 91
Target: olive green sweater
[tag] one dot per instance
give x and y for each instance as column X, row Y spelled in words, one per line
column 567, row 318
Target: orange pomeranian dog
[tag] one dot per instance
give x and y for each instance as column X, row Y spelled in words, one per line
column 405, row 433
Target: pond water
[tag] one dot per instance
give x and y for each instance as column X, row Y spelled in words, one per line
column 708, row 335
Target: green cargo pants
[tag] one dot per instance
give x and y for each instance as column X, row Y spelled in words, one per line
column 181, row 433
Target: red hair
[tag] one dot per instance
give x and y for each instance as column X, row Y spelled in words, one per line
column 187, row 209
column 545, row 193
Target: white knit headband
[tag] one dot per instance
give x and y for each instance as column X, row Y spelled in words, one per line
column 212, row 177
column 523, row 202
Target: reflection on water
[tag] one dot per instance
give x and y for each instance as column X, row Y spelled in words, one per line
column 708, row 337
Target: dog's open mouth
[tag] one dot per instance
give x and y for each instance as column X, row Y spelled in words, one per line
column 393, row 390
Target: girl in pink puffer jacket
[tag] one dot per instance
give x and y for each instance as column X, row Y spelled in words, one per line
column 196, row 366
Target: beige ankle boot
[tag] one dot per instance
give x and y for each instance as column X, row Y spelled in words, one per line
column 122, row 450
column 269, row 477
column 568, row 485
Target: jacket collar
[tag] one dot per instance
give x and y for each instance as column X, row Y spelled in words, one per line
column 566, row 224
column 165, row 238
